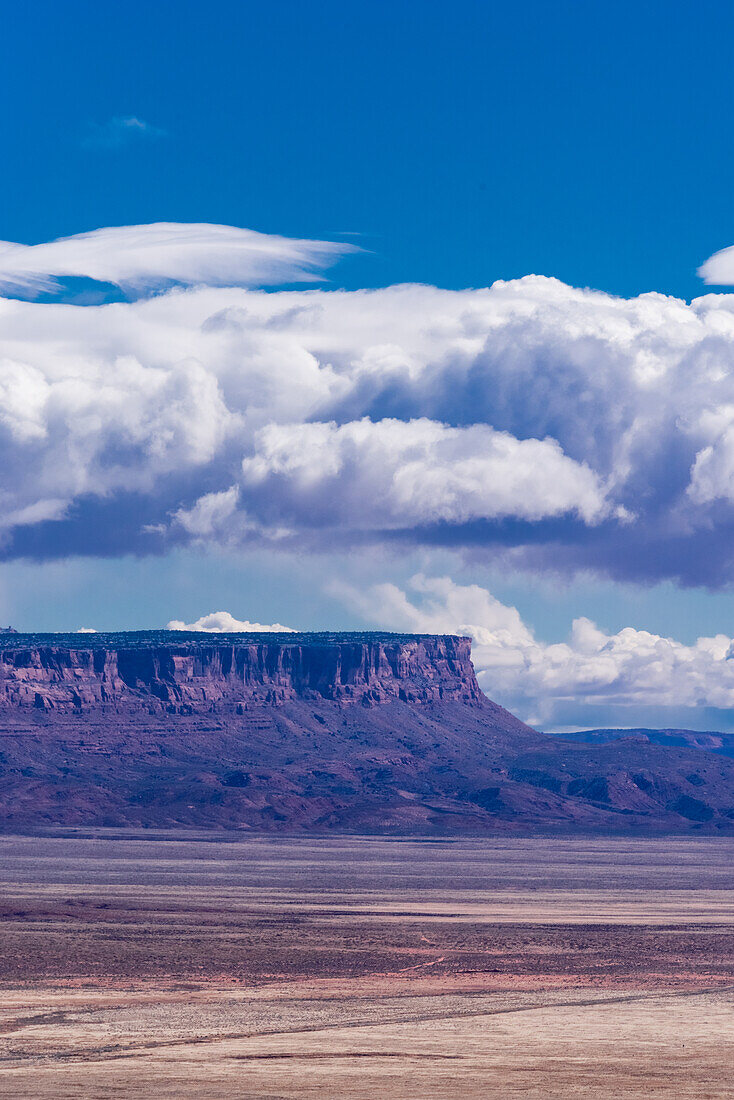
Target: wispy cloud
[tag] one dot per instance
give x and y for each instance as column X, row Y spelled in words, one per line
column 143, row 258
column 118, row 132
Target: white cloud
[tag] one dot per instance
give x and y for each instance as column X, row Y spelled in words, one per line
column 712, row 473
column 563, row 428
column 144, row 257
column 78, row 422
column 718, row 270
column 631, row 667
column 221, row 622
column 215, row 517
column 394, row 474
column 209, row 513
column 119, row 131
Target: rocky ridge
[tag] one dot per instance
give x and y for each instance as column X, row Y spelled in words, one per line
column 194, row 674
column 369, row 733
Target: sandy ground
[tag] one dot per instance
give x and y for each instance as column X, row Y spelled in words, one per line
column 365, row 968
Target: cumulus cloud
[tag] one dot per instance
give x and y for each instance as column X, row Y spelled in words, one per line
column 94, row 425
column 221, row 622
column 394, row 474
column 143, row 257
column 216, row 518
column 554, row 428
column 209, row 514
column 118, row 132
column 536, row 679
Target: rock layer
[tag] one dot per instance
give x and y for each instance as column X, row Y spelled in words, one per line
column 180, row 675
column 345, row 733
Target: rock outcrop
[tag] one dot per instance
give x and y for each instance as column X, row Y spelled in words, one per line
column 369, row 733
column 193, row 675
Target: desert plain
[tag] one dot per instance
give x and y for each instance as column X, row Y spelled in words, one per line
column 211, row 965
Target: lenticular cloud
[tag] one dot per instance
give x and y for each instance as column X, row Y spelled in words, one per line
column 551, row 427
column 144, row 257
column 718, row 270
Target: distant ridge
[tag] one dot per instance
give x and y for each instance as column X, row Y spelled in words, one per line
column 708, row 740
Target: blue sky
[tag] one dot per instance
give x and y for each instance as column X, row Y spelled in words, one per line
column 463, row 142
column 574, row 456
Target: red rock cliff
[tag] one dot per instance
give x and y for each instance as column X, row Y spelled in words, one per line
column 212, row 673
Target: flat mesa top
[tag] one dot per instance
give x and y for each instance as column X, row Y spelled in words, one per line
column 143, row 639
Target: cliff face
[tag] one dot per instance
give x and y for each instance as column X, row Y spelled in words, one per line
column 185, row 676
column 350, row 733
